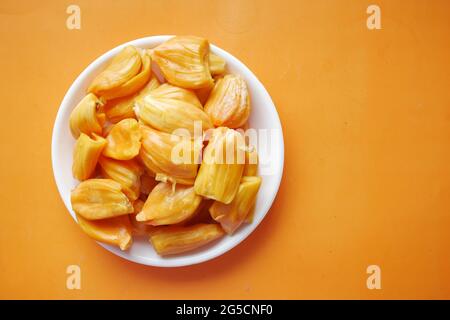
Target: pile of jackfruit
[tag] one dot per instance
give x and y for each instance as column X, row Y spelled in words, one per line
column 160, row 149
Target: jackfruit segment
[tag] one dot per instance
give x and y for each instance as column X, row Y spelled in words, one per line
column 168, row 91
column 134, row 84
column 222, row 166
column 175, row 239
column 169, row 155
column 86, row 154
column 123, row 108
column 124, row 66
column 127, row 173
column 217, row 64
column 96, row 199
column 232, row 215
column 168, row 205
column 184, row 61
column 251, row 162
column 115, row 231
column 124, row 140
column 172, row 115
column 228, row 104
column 84, row 119
column 139, row 228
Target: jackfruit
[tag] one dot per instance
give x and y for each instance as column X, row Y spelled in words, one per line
column 86, row 154
column 217, row 64
column 184, row 61
column 124, row 140
column 115, row 231
column 83, row 118
column 96, row 199
column 123, row 108
column 124, row 66
column 134, row 84
column 222, row 165
column 229, row 102
column 230, row 216
column 170, row 115
column 167, row 91
column 176, row 239
column 168, row 204
column 127, row 173
column 251, row 162
column 169, row 155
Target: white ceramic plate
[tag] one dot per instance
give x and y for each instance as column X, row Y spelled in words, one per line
column 263, row 116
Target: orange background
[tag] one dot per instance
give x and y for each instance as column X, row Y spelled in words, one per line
column 366, row 119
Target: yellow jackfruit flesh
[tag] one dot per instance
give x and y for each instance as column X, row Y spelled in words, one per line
column 170, row 114
column 101, row 118
column 167, row 91
column 157, row 154
column 124, row 140
column 128, row 121
column 229, row 102
column 251, row 162
column 115, row 231
column 201, row 215
column 122, row 108
column 84, row 117
column 127, row 173
column 107, row 128
column 184, row 61
column 168, row 204
column 124, row 66
column 134, row 84
column 222, row 166
column 96, row 199
column 231, row 215
column 217, row 64
column 138, row 227
column 250, row 215
column 149, row 87
column 86, row 154
column 176, row 239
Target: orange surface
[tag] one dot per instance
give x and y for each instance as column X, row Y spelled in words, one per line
column 366, row 119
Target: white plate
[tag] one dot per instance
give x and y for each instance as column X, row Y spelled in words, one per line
column 263, row 116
